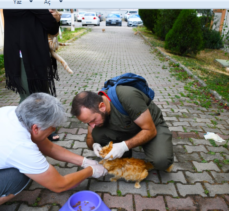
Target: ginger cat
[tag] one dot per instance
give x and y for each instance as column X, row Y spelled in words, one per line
column 53, row 46
column 132, row 169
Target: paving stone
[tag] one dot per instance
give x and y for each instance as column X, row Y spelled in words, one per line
column 68, row 130
column 209, row 157
column 65, row 144
column 195, row 189
column 170, row 119
column 61, row 136
column 156, row 203
column 79, row 144
column 128, row 187
column 206, row 166
column 168, row 189
column 183, row 166
column 78, row 125
column 178, row 128
column 188, row 157
column 48, row 197
column 54, row 208
column 179, row 149
column 220, row 177
column 88, row 153
column 201, row 142
column 181, row 141
column 187, row 135
column 24, row 207
column 214, row 130
column 82, row 186
column 226, row 132
column 65, row 171
column 199, row 148
column 217, row 189
column 82, row 131
column 198, row 177
column 125, row 202
column 203, row 120
column 153, row 177
column 218, row 149
column 225, row 168
column 180, row 204
column 10, row 207
column 211, row 204
column 110, row 187
column 76, row 137
column 26, row 196
column 177, row 177
column 55, row 162
column 186, row 119
column 180, row 124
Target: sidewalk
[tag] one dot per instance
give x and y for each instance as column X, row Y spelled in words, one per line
column 199, row 180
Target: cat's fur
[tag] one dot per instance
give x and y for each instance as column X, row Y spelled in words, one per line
column 132, row 169
column 53, row 46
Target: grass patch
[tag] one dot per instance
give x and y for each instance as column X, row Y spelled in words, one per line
column 67, row 34
column 202, row 65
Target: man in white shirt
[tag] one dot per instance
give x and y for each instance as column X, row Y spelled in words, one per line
column 24, row 144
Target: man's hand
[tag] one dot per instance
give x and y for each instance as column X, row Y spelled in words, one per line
column 55, row 14
column 117, row 151
column 88, row 162
column 97, row 148
column 98, row 171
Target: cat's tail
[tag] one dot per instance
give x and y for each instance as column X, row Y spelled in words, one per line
column 64, row 44
column 149, row 166
column 62, row 61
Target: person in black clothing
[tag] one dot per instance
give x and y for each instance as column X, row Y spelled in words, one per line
column 28, row 65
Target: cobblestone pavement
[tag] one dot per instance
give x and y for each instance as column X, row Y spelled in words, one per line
column 199, row 180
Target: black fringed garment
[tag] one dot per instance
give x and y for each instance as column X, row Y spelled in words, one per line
column 27, row 30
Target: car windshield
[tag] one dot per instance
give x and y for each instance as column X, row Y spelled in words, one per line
column 113, row 16
column 134, row 16
column 89, row 14
column 81, row 13
column 66, row 16
column 132, row 11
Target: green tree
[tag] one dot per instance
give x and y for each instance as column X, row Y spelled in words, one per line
column 148, row 17
column 186, row 36
column 165, row 21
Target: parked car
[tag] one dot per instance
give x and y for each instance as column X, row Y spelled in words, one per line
column 66, row 19
column 134, row 20
column 113, row 19
column 117, row 12
column 100, row 15
column 79, row 16
column 90, row 18
column 129, row 12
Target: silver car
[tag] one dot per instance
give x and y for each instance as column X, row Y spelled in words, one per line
column 134, row 20
column 66, row 19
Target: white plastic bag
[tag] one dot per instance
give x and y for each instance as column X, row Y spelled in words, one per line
column 213, row 136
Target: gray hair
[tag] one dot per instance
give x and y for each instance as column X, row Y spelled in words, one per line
column 41, row 109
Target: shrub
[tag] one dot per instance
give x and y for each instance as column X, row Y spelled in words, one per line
column 212, row 39
column 186, row 36
column 148, row 17
column 165, row 21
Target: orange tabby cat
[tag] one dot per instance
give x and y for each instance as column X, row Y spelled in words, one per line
column 132, row 169
column 53, row 46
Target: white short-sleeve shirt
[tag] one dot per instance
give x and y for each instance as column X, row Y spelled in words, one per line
column 16, row 147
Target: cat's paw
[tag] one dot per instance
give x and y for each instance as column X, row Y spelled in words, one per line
column 137, row 185
column 113, row 179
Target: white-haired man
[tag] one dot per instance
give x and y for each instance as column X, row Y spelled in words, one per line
column 24, row 145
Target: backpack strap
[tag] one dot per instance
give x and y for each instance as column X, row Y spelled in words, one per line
column 114, row 99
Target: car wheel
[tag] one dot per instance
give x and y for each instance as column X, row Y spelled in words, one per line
column 98, row 24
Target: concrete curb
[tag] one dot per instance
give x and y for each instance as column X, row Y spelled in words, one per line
column 202, row 83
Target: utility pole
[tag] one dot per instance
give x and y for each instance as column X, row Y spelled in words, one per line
column 72, row 22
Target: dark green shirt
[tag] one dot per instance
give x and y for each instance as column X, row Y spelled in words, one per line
column 134, row 103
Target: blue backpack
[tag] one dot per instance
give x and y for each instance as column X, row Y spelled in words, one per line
column 127, row 79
